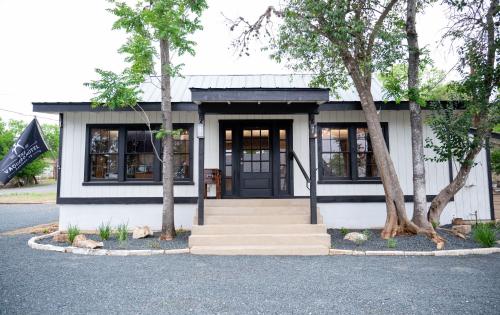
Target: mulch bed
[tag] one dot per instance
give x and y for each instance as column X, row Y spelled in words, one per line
column 404, row 243
column 150, row 242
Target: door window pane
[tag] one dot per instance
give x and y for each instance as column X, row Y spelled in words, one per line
column 103, row 153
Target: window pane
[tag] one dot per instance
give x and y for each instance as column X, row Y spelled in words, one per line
column 256, row 167
column 182, row 147
column 265, row 167
column 283, row 184
column 139, row 141
column 229, row 185
column 335, row 164
column 339, row 140
column 366, row 165
column 140, row 166
column 103, row 140
column 247, row 167
column 104, row 166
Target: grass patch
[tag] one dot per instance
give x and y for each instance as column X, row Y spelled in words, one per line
column 392, row 243
column 73, row 231
column 122, row 232
column 484, row 234
column 344, row 231
column 104, row 231
column 31, row 197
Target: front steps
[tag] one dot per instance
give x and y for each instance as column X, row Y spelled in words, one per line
column 259, row 227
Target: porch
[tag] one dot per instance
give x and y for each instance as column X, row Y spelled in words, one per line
column 258, row 213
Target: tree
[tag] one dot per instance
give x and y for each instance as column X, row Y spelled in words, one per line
column 474, row 27
column 417, row 133
column 337, row 40
column 167, row 23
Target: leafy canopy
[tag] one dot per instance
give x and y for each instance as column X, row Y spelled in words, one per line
column 146, row 23
column 323, row 36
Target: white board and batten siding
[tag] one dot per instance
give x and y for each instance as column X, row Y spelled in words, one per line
column 474, row 196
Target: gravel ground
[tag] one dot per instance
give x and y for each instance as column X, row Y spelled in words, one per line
column 410, row 242
column 15, row 216
column 181, row 241
column 38, row 282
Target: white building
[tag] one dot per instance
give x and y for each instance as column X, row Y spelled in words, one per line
column 253, row 126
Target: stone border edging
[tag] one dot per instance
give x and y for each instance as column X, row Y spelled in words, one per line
column 446, row 252
column 333, row 252
column 32, row 242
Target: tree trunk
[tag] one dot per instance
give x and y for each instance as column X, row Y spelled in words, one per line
column 167, row 226
column 397, row 221
column 417, row 139
column 444, row 196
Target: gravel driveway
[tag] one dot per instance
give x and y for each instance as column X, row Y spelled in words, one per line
column 37, row 282
column 15, row 216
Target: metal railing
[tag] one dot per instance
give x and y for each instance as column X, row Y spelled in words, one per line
column 294, row 156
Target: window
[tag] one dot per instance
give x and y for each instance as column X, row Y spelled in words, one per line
column 126, row 154
column 103, row 153
column 346, row 154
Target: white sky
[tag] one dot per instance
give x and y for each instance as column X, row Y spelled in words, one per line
column 50, row 48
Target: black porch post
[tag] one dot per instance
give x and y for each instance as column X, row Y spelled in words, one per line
column 312, row 168
column 201, row 167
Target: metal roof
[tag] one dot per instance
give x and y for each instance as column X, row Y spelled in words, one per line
column 181, row 85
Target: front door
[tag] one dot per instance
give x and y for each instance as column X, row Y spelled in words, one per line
column 254, row 155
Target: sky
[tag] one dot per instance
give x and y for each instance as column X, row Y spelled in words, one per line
column 50, row 48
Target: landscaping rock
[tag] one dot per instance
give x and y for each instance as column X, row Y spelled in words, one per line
column 82, row 242
column 142, row 232
column 462, row 229
column 61, row 238
column 355, row 237
column 458, row 221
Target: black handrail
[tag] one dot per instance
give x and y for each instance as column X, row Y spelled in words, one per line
column 294, row 156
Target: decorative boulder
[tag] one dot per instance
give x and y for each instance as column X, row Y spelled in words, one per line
column 61, row 238
column 82, row 242
column 462, row 229
column 142, row 232
column 355, row 237
column 458, row 221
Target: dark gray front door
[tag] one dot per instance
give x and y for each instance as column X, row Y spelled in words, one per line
column 254, row 158
column 256, row 177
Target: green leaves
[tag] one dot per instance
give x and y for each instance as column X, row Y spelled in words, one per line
column 115, row 90
column 146, row 23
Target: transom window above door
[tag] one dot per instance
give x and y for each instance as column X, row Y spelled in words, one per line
column 346, row 154
column 126, row 154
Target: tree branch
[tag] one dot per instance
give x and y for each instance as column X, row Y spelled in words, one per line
column 378, row 24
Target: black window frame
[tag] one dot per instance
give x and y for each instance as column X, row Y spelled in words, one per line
column 122, row 147
column 353, row 177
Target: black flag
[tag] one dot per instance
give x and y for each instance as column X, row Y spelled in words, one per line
column 27, row 148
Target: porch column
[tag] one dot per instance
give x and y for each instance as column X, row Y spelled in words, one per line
column 201, row 167
column 312, row 168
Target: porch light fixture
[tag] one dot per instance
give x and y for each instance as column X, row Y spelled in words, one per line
column 200, row 130
column 313, row 131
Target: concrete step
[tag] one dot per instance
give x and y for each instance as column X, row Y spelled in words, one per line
column 256, row 202
column 258, row 229
column 256, row 210
column 260, row 240
column 296, row 250
column 257, row 219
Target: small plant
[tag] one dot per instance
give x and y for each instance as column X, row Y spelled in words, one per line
column 359, row 241
column 435, row 224
column 104, row 231
column 344, row 231
column 484, row 234
column 392, row 243
column 122, row 232
column 45, row 231
column 367, row 234
column 73, row 231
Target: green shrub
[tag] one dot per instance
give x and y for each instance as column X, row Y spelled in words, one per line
column 104, row 231
column 344, row 231
column 73, row 231
column 435, row 224
column 484, row 234
column 392, row 243
column 122, row 232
